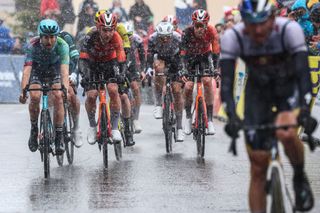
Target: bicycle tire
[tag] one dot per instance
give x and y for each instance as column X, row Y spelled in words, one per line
column 69, row 135
column 118, row 150
column 166, row 124
column 277, row 201
column 47, row 137
column 104, row 135
column 121, row 129
column 201, row 129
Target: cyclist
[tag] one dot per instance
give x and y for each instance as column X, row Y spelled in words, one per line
column 73, row 84
column 123, row 88
column 47, row 61
column 200, row 46
column 174, row 21
column 276, row 57
column 135, row 72
column 102, row 53
column 163, row 52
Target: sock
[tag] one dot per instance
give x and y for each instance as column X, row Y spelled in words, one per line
column 136, row 112
column 34, row 124
column 210, row 112
column 92, row 119
column 298, row 172
column 114, row 119
column 158, row 98
column 188, row 111
column 179, row 120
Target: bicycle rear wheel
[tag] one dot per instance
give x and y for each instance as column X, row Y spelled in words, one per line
column 167, row 124
column 47, row 136
column 69, row 136
column 201, row 129
column 104, row 135
column 275, row 196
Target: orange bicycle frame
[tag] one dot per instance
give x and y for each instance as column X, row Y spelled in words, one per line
column 200, row 96
column 103, row 100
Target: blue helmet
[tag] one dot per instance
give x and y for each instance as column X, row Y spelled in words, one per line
column 48, row 27
column 256, row 11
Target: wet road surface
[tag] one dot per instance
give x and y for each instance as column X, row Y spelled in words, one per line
column 145, row 180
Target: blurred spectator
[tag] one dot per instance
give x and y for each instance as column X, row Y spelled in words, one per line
column 200, row 4
column 220, row 28
column 50, row 9
column 141, row 15
column 7, row 43
column 68, row 16
column 184, row 10
column 18, row 46
column 93, row 4
column 86, row 18
column 119, row 10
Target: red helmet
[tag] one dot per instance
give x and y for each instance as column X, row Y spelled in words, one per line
column 172, row 19
column 200, row 16
column 106, row 19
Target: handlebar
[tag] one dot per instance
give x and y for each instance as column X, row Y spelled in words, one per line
column 310, row 140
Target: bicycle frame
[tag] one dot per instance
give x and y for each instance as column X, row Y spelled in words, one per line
column 200, row 97
column 103, row 101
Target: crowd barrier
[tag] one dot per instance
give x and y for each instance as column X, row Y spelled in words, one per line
column 11, row 67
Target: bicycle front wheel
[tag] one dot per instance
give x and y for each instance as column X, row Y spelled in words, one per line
column 275, row 201
column 47, row 136
column 201, row 129
column 104, row 135
column 167, row 124
column 69, row 136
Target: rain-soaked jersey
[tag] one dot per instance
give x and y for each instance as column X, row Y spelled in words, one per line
column 191, row 45
column 95, row 49
column 285, row 39
column 36, row 53
column 163, row 50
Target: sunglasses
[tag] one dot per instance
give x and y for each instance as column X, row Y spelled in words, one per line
column 200, row 26
column 106, row 29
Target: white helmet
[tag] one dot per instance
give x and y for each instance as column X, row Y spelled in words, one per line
column 129, row 27
column 164, row 29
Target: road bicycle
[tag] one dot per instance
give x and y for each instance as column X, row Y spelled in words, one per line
column 104, row 129
column 68, row 133
column 46, row 136
column 200, row 123
column 278, row 196
column 169, row 119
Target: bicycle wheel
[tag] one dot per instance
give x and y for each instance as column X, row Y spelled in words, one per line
column 46, row 137
column 167, row 124
column 276, row 201
column 121, row 129
column 118, row 150
column 69, row 136
column 104, row 135
column 201, row 129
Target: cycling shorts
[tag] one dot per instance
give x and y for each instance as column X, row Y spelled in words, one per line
column 262, row 107
column 40, row 75
column 101, row 71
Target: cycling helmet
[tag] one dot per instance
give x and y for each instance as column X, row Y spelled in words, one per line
column 107, row 19
column 200, row 16
column 129, row 27
column 98, row 14
column 256, row 11
column 48, row 27
column 172, row 19
column 164, row 29
column 315, row 13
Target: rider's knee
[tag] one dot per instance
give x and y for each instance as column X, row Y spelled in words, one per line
column 207, row 81
column 35, row 98
column 113, row 91
column 287, row 137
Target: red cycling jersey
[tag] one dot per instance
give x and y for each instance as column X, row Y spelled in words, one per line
column 191, row 45
column 95, row 49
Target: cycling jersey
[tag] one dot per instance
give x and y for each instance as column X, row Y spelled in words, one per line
column 164, row 51
column 44, row 57
column 95, row 49
column 121, row 29
column 137, row 53
column 73, row 52
column 191, row 45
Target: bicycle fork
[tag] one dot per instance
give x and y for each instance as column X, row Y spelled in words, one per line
column 199, row 98
column 103, row 101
